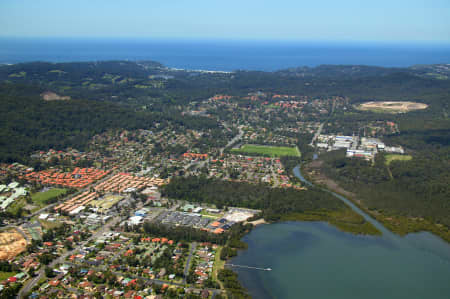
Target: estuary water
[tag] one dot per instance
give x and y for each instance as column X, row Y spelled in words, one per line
column 315, row 260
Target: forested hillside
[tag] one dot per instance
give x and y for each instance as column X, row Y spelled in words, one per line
column 29, row 123
column 275, row 203
column 263, row 197
column 150, row 83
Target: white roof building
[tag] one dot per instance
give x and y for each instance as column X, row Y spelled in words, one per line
column 13, row 185
column 76, row 211
column 135, row 220
column 43, row 216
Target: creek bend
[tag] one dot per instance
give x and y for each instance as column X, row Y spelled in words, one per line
column 316, row 260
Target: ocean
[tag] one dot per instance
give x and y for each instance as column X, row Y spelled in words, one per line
column 224, row 55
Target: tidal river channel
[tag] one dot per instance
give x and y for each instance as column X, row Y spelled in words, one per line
column 315, row 260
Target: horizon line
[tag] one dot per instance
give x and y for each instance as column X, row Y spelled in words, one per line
column 214, row 71
column 232, row 39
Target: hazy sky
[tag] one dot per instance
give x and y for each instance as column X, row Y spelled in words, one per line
column 375, row 20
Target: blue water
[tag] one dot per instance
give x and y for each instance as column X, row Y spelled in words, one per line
column 316, row 260
column 221, row 54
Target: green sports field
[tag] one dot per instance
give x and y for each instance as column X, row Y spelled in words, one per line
column 42, row 198
column 272, row 151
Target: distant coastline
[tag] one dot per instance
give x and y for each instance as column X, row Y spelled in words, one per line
column 222, row 55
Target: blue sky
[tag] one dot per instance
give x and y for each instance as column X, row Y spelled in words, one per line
column 326, row 20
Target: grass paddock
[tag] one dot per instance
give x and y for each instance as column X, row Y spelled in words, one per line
column 272, row 151
column 394, row 157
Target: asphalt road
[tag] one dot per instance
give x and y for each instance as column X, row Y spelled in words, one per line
column 188, row 262
column 317, row 134
column 235, row 138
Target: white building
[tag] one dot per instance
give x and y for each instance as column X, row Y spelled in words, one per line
column 135, row 220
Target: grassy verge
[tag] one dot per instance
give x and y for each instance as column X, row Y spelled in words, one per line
column 6, row 275
column 211, row 216
column 345, row 220
column 218, row 263
column 16, row 208
column 50, row 224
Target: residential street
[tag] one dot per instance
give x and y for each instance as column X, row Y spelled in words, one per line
column 28, row 286
column 188, row 262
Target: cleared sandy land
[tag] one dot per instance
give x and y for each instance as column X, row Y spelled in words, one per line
column 256, row 222
column 11, row 244
column 51, row 96
column 394, row 107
